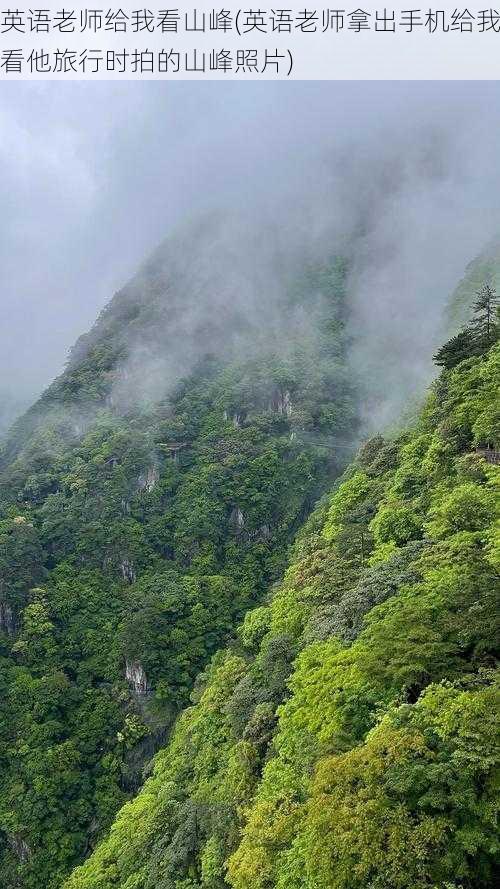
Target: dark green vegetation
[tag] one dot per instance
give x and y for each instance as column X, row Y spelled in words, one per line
column 136, row 529
column 330, row 729
column 348, row 736
column 477, row 336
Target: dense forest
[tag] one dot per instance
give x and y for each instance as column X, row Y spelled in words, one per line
column 136, row 529
column 348, row 737
column 237, row 648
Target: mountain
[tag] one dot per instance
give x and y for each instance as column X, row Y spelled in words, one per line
column 147, row 500
column 485, row 268
column 348, row 736
column 11, row 408
column 201, row 670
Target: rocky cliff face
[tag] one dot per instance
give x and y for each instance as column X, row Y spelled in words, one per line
column 7, row 619
column 136, row 677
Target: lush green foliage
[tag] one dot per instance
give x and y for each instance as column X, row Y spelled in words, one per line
column 348, row 737
column 134, row 535
column 345, row 736
column 477, row 337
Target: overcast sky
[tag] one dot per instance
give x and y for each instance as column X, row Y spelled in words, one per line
column 93, row 176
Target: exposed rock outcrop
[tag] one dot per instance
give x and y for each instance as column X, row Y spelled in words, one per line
column 281, row 402
column 149, row 478
column 20, row 847
column 237, row 518
column 136, row 677
column 128, row 571
column 7, row 619
column 173, row 448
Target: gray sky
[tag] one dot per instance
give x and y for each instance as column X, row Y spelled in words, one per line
column 94, row 175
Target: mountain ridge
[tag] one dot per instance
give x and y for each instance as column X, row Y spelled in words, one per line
column 148, row 501
column 147, row 518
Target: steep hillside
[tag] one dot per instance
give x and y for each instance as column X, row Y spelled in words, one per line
column 485, row 268
column 147, row 500
column 348, row 736
column 11, row 408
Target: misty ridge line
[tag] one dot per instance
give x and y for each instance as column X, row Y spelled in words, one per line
column 216, row 302
column 220, row 283
column 398, row 168
column 313, row 253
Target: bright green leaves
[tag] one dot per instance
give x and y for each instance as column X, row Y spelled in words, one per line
column 396, row 523
column 468, row 507
column 415, row 804
column 350, row 493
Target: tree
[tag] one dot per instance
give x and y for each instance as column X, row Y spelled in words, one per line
column 484, row 324
column 477, row 337
column 457, row 349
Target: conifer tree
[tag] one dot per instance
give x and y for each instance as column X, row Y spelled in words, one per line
column 478, row 336
column 457, row 349
column 484, row 324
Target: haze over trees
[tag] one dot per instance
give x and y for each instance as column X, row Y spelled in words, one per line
column 478, row 335
column 237, row 650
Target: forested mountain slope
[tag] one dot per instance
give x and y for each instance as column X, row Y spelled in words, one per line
column 10, row 408
column 147, row 500
column 484, row 269
column 348, row 736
